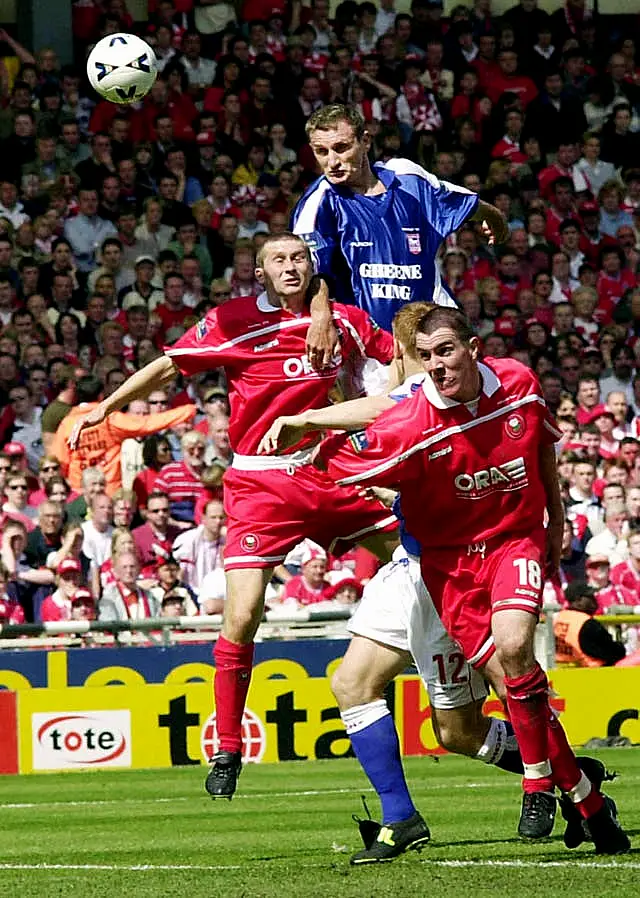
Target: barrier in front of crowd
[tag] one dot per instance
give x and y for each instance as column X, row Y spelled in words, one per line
column 152, row 705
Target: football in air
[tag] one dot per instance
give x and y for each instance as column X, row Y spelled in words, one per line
column 122, row 68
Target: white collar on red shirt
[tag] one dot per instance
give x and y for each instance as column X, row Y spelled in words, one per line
column 490, row 384
column 264, row 305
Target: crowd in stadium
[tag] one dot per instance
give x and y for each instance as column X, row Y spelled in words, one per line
column 121, row 226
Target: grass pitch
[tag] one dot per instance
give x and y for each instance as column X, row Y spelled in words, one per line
column 288, row 834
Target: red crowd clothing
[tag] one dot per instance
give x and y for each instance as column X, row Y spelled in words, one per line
column 297, row 589
column 477, row 471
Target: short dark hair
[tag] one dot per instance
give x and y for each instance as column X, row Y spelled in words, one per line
column 329, row 116
column 88, row 388
column 442, row 316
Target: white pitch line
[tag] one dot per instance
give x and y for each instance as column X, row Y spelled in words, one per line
column 213, row 868
column 605, row 865
column 303, row 793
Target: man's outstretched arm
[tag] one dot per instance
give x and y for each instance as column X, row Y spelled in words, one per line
column 288, row 430
column 153, row 376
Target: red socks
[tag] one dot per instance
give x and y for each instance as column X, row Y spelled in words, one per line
column 566, row 773
column 547, row 756
column 528, row 707
column 230, row 687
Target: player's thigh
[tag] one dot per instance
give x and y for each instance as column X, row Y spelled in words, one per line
column 461, row 729
column 386, row 606
column 244, row 603
column 460, row 594
column 451, row 682
column 365, row 671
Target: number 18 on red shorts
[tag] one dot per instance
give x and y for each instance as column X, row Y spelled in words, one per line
column 469, row 584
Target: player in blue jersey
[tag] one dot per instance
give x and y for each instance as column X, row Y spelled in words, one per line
column 375, row 231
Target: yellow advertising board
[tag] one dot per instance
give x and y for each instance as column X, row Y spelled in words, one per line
column 290, row 716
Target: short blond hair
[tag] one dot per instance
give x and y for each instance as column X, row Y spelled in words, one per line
column 405, row 323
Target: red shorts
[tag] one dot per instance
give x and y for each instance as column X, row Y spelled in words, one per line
column 468, row 588
column 269, row 512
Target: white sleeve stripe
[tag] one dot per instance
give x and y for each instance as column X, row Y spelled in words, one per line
column 354, row 333
column 307, row 210
column 436, row 438
column 407, row 167
column 553, row 430
column 195, row 350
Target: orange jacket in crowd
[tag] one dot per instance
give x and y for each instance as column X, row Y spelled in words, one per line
column 100, row 446
column 566, row 627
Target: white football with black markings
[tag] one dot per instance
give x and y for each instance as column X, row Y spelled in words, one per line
column 122, row 68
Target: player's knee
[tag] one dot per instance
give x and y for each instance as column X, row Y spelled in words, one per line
column 349, row 688
column 515, row 654
column 241, row 623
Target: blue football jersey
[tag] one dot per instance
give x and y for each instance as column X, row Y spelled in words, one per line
column 380, row 251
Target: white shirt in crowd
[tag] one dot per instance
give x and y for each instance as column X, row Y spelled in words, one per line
column 95, row 545
column 198, row 557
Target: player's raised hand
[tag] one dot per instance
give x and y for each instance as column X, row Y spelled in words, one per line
column 95, row 416
column 284, row 433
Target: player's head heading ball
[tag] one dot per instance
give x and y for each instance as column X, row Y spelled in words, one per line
column 284, row 268
column 340, row 142
column 446, row 345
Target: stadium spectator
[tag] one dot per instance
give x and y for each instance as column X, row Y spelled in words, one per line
column 308, row 587
column 580, row 639
column 181, row 481
column 57, row 606
column 124, row 600
column 200, row 550
column 103, row 447
column 96, row 544
column 154, row 539
column 169, row 585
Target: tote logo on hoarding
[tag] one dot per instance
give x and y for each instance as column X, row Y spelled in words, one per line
column 83, row 739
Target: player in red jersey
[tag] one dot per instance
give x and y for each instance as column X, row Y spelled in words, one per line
column 474, row 446
column 271, row 503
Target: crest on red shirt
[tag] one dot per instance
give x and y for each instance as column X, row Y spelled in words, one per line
column 515, row 426
column 413, row 242
column 201, row 329
column 250, row 542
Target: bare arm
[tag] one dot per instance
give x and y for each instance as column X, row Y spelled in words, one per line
column 494, row 223
column 286, row 431
column 322, row 336
column 555, row 507
column 153, row 376
column 21, row 52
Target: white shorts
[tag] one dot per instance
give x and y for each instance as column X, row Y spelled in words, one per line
column 397, row 610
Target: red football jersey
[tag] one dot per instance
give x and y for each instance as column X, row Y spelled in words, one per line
column 262, row 349
column 465, row 475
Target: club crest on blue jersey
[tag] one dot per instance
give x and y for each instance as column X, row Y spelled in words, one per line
column 359, row 441
column 201, row 329
column 413, row 242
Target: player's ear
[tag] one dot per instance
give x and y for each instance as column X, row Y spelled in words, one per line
column 474, row 348
column 366, row 140
column 259, row 273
